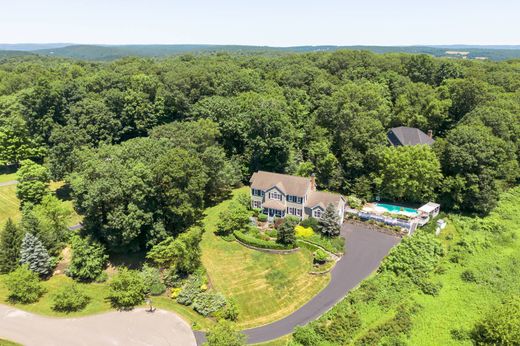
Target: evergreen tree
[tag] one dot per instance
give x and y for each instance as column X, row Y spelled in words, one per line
column 286, row 233
column 329, row 222
column 10, row 243
column 34, row 254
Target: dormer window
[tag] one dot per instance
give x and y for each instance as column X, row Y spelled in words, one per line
column 275, row 195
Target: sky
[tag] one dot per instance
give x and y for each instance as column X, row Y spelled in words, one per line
column 266, row 22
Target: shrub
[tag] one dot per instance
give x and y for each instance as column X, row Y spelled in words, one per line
column 224, row 333
column 88, row 259
column 263, row 244
column 152, row 281
column 175, row 292
column 172, row 278
column 329, row 222
column 303, row 232
column 320, row 256
column 103, row 277
column 257, row 211
column 273, row 233
column 23, row 285
column 190, row 290
column 310, row 222
column 354, row 202
column 230, row 311
column 235, row 217
column 127, row 289
column 501, row 326
column 69, row 298
column 262, row 217
column 207, row 304
column 468, row 276
column 430, row 288
column 306, row 336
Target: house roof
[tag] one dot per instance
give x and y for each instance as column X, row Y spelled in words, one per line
column 288, row 184
column 429, row 207
column 273, row 204
column 323, row 199
column 403, row 135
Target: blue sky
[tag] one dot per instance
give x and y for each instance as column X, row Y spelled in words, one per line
column 267, row 22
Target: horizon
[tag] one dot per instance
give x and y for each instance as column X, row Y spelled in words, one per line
column 267, row 23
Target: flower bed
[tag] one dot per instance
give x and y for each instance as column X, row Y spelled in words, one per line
column 260, row 243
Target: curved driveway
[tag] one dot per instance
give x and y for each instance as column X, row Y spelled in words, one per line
column 131, row 328
column 364, row 251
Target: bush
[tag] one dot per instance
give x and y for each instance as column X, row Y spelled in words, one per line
column 310, row 222
column 354, row 202
column 320, row 256
column 69, row 298
column 335, row 244
column 190, row 290
column 235, row 217
column 152, row 281
column 286, row 234
column 256, row 211
column 230, row 311
column 207, row 304
column 430, row 288
column 306, row 336
column 262, row 217
column 88, row 259
column 263, row 244
column 303, row 232
column 501, row 326
column 172, row 278
column 23, row 285
column 127, row 289
column 224, row 333
column 468, row 276
column 273, row 233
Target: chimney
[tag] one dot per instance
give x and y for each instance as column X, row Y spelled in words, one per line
column 430, row 133
column 313, row 182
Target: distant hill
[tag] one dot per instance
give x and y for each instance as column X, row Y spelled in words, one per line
column 31, row 46
column 111, row 52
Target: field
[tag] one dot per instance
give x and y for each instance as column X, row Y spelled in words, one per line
column 7, row 177
column 266, row 287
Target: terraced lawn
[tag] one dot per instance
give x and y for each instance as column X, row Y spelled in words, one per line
column 266, row 287
column 7, row 177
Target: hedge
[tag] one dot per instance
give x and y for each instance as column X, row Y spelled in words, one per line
column 260, row 243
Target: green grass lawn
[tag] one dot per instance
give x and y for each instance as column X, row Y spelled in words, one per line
column 9, row 204
column 266, row 287
column 7, row 177
column 8, row 343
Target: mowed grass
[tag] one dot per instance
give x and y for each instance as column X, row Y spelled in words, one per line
column 97, row 293
column 266, row 287
column 8, row 343
column 7, row 177
column 9, row 204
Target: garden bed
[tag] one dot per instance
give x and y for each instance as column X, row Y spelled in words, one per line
column 261, row 244
column 377, row 227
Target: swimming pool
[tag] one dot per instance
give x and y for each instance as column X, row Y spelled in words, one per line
column 395, row 209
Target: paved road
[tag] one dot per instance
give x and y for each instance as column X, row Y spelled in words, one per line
column 10, row 182
column 132, row 328
column 364, row 251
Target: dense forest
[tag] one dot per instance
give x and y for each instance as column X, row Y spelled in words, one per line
column 145, row 144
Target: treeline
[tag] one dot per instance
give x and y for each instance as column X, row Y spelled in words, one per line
column 226, row 116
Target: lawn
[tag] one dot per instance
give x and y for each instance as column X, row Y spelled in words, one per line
column 8, row 343
column 266, row 287
column 7, row 177
column 9, row 204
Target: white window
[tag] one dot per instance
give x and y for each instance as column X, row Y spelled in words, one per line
column 257, row 192
column 275, row 195
column 317, row 213
column 294, row 199
column 257, row 204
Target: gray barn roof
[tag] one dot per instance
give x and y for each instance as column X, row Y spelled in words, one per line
column 403, row 135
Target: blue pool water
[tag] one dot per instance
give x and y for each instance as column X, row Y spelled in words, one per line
column 396, row 209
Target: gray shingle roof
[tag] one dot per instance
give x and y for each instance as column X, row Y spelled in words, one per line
column 322, row 199
column 288, row 184
column 403, row 135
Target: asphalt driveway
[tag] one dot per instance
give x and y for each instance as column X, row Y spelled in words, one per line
column 132, row 328
column 365, row 249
